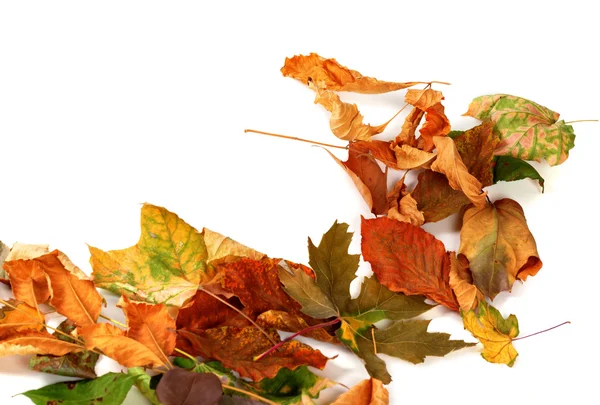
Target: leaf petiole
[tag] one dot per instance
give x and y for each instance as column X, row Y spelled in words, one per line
column 293, row 138
column 542, row 331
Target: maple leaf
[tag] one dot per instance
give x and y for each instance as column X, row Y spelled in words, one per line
column 498, row 245
column 367, row 392
column 114, row 342
column 151, row 325
column 19, row 317
column 496, row 333
column 34, row 342
column 407, row 259
column 236, row 348
column 402, row 206
column 449, row 163
column 110, row 389
column 527, row 130
column 80, row 364
column 508, row 168
column 329, row 74
column 182, row 387
column 368, row 178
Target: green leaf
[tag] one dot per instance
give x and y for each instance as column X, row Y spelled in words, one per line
column 143, row 384
column 110, row 389
column 455, row 134
column 292, row 387
column 527, row 130
column 509, row 168
column 80, row 364
column 184, row 362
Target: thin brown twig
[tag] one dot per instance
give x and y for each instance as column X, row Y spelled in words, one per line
column 542, row 331
column 293, row 138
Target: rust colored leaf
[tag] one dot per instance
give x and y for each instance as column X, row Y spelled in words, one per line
column 113, row 342
column 235, row 348
column 367, row 392
column 329, row 74
column 35, row 342
column 407, row 259
column 151, row 325
column 207, row 312
column 499, row 246
column 436, row 124
column 450, row 164
column 380, row 150
column 287, row 322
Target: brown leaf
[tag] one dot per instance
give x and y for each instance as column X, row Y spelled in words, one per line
column 207, row 312
column 182, row 387
column 409, row 128
column 380, row 150
column 329, row 74
column 408, row 157
column 499, row 246
column 113, row 342
column 435, row 198
column 407, row 259
column 476, row 148
column 450, row 164
column 367, row 392
column 35, row 342
column 235, row 348
column 461, row 281
column 402, row 206
column 287, row 322
column 151, row 325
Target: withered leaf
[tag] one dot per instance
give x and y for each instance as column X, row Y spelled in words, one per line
column 499, row 246
column 407, row 259
column 367, row 392
column 182, row 387
column 461, row 282
column 20, row 318
column 207, row 312
column 329, row 74
column 380, row 150
column 284, row 321
column 28, row 281
column 3, row 254
column 494, row 332
column 409, row 128
column 402, row 206
column 35, row 342
column 423, row 99
column 408, row 157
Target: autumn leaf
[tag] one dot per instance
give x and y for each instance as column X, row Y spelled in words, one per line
column 508, row 168
column 207, row 312
column 476, row 148
column 402, row 206
column 346, row 122
column 114, row 343
column 219, row 246
column 3, row 254
column 165, row 266
column 435, row 198
column 449, row 163
column 423, row 99
column 236, row 348
column 436, row 124
column 408, row 157
column 34, row 342
column 380, row 150
column 527, row 130
column 80, row 364
column 329, row 74
column 28, row 281
column 461, row 282
column 409, row 128
column 369, row 179
column 19, row 317
column 367, row 392
column 284, row 321
column 182, row 387
column 494, row 332
column 151, row 325
column 110, row 389
column 407, row 259
column 499, row 246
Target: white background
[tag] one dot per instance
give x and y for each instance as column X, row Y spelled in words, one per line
column 106, row 105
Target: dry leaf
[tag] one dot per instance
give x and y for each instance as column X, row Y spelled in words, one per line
column 24, row 317
column 380, row 150
column 436, row 124
column 467, row 294
column 402, row 206
column 423, row 99
column 35, row 342
column 28, row 281
column 367, row 392
column 408, row 157
column 329, row 74
column 409, row 128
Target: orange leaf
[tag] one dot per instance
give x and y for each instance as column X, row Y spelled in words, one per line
column 28, row 281
column 367, row 392
column 235, row 348
column 35, row 342
column 461, row 281
column 380, row 150
column 407, row 259
column 423, row 99
column 287, row 322
column 329, row 74
column 207, row 312
column 436, row 124
column 151, row 325
column 409, row 128
column 408, row 157
column 125, row 350
column 450, row 163
column 402, row 206
column 24, row 317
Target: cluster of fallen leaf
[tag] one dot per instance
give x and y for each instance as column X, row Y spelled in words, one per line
column 202, row 311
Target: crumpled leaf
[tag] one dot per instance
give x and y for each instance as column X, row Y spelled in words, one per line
column 409, row 129
column 380, row 150
column 436, row 124
column 496, row 333
column 346, row 122
column 236, row 348
column 34, row 342
column 509, row 168
column 461, row 282
column 499, row 246
column 182, row 387
column 449, row 163
column 408, row 157
column 527, row 130
column 165, row 266
column 3, row 254
column 24, row 317
column 110, row 389
column 402, row 206
column 284, row 321
column 407, row 259
column 423, row 99
column 329, row 74
column 367, row 392
column 81, row 364
column 151, row 325
column 369, row 179
column 113, row 342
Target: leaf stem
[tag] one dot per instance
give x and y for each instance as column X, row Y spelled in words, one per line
column 284, row 341
column 186, row 354
column 250, row 394
column 573, row 122
column 542, row 331
column 113, row 321
column 374, row 341
column 295, row 138
column 239, row 312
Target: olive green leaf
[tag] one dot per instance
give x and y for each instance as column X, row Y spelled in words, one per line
column 509, row 168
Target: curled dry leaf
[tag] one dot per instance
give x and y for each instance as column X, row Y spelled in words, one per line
column 380, row 150
column 527, row 130
column 329, row 74
column 499, row 246
column 3, row 254
column 423, row 99
column 461, row 281
column 402, row 206
column 436, row 124
column 367, row 392
column 408, row 157
column 494, row 332
column 182, row 387
column 449, row 163
column 409, row 128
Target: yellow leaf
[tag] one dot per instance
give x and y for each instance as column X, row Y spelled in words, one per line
column 329, row 74
column 450, row 164
column 35, row 342
column 219, row 246
column 367, row 392
column 494, row 332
